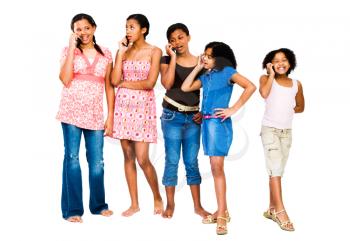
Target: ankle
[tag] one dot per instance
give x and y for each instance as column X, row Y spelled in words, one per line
column 170, row 204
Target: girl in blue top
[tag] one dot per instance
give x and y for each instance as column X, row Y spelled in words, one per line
column 217, row 79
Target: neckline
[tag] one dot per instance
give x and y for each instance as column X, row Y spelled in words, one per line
column 136, row 60
column 191, row 67
column 284, row 86
column 93, row 62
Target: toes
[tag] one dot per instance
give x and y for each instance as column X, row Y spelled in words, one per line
column 107, row 213
column 75, row 219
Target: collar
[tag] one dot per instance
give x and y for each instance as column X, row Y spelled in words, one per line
column 210, row 71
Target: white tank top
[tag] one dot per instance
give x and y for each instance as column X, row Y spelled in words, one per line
column 279, row 108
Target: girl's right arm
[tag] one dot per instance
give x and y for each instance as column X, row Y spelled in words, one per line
column 266, row 81
column 167, row 71
column 66, row 72
column 190, row 84
column 116, row 75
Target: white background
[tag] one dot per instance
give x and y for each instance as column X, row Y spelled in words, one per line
column 317, row 175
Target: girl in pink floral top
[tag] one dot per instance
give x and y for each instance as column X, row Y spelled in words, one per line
column 135, row 73
column 85, row 74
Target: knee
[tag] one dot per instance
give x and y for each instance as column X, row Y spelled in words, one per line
column 217, row 171
column 96, row 167
column 172, row 162
column 144, row 163
column 71, row 159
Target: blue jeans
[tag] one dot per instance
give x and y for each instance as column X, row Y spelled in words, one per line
column 71, row 200
column 179, row 129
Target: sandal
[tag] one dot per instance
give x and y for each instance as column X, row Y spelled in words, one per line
column 210, row 218
column 222, row 229
column 269, row 213
column 286, row 225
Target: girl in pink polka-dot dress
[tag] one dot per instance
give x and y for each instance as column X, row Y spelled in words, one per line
column 135, row 110
column 135, row 73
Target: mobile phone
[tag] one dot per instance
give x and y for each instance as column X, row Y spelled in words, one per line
column 78, row 42
column 174, row 50
column 127, row 42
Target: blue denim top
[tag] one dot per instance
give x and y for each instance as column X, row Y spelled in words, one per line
column 217, row 89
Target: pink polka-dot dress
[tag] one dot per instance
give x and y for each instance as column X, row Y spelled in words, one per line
column 135, row 110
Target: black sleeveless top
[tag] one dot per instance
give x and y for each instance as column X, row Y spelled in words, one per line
column 175, row 93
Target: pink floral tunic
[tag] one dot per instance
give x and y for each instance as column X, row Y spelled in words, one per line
column 82, row 101
column 135, row 110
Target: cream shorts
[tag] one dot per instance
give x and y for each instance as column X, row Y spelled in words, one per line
column 276, row 143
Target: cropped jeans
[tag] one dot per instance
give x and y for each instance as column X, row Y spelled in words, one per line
column 179, row 130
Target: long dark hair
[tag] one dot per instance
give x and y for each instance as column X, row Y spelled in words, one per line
column 88, row 18
column 142, row 20
column 223, row 55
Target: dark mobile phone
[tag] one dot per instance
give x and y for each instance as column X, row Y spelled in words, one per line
column 78, row 42
column 174, row 50
column 127, row 42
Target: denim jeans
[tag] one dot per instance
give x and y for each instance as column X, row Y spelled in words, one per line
column 71, row 200
column 180, row 130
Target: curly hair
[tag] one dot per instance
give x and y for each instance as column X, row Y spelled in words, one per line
column 223, row 55
column 287, row 52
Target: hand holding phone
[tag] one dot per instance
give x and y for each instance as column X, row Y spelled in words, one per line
column 74, row 40
column 170, row 50
column 270, row 69
column 125, row 41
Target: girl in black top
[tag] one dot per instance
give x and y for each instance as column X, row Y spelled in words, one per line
column 180, row 118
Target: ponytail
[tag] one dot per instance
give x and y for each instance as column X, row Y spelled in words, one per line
column 97, row 47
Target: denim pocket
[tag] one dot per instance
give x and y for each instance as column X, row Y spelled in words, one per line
column 167, row 115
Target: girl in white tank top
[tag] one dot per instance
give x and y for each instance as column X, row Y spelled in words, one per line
column 283, row 97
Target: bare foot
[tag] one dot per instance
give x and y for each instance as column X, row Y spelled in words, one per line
column 158, row 207
column 106, row 213
column 201, row 212
column 130, row 211
column 75, row 219
column 169, row 211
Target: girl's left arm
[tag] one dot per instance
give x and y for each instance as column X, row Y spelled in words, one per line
column 110, row 101
column 299, row 100
column 249, row 89
column 150, row 82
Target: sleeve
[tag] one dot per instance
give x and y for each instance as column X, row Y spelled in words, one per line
column 64, row 54
column 108, row 55
column 200, row 77
column 165, row 60
column 230, row 71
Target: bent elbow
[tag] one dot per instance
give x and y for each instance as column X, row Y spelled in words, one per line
column 253, row 88
column 299, row 110
column 263, row 94
column 65, row 80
